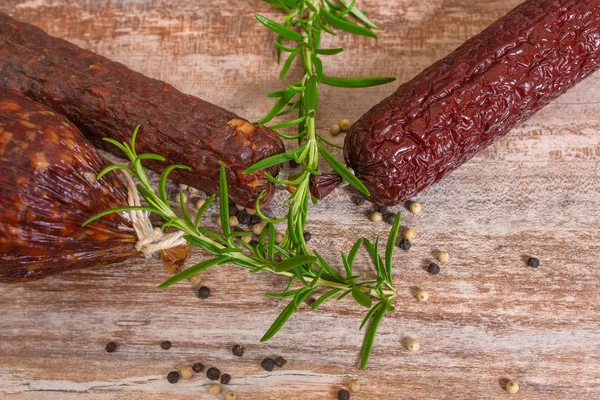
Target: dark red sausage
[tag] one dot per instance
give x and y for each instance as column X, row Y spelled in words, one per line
column 107, row 99
column 48, row 188
column 461, row 104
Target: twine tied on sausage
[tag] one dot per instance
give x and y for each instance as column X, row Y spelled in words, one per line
column 150, row 239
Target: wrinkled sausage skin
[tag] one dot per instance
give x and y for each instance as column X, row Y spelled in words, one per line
column 48, row 189
column 106, row 99
column 461, row 104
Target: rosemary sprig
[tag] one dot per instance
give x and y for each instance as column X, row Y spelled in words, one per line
column 302, row 29
column 306, row 274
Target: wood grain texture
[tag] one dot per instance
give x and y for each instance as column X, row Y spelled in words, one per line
column 490, row 317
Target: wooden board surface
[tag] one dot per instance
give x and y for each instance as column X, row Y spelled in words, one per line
column 490, row 317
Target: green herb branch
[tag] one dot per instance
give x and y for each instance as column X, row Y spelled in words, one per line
column 299, row 35
column 307, row 274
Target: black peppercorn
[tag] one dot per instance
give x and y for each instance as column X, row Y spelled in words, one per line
column 358, row 201
column 389, row 218
column 404, row 244
column 255, row 219
column 433, row 269
column 268, row 364
column 225, row 378
column 343, row 395
column 213, row 374
column 244, row 218
column 533, row 262
column 307, row 236
column 238, row 350
column 204, row 292
column 293, row 164
column 166, row 345
column 173, row 377
column 198, row 367
column 381, row 209
column 233, row 210
column 253, row 243
column 110, row 347
column 280, row 361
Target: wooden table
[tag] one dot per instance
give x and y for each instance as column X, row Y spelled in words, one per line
column 490, row 317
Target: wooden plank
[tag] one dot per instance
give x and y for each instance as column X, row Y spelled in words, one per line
column 490, row 317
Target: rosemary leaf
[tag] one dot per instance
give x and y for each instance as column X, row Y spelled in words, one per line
column 324, row 297
column 294, row 262
column 361, row 298
column 342, row 171
column 391, row 243
column 356, row 82
column 193, row 270
column 279, row 29
column 370, row 337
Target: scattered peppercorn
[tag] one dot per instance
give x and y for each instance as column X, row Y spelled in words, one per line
column 230, row 395
column 233, row 210
column 404, row 244
column 389, row 217
column 240, row 208
column 246, row 239
column 214, row 389
column 354, row 386
column 200, row 203
column 198, row 367
column 244, row 218
column 443, row 257
column 195, row 279
column 344, row 124
column 255, row 219
column 166, row 345
column 422, row 295
column 415, row 207
column 433, row 269
column 110, row 347
column 413, row 345
column 410, row 234
column 358, row 201
column 334, row 129
column 183, row 197
column 238, row 350
column 512, row 387
column 187, row 372
column 233, row 221
column 173, row 377
column 192, row 190
column 268, row 364
column 343, row 395
column 251, row 211
column 183, row 186
column 533, row 262
column 381, row 209
column 253, row 243
column 293, row 164
column 376, row 216
column 225, row 378
column 204, row 292
column 258, row 228
column 278, row 238
column 213, row 374
column 307, row 236
column 280, row 361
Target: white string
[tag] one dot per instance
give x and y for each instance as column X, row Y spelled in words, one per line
column 150, row 239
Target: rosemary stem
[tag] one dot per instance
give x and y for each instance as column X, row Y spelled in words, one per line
column 268, row 267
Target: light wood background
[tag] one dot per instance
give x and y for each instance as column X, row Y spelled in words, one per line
column 490, row 317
